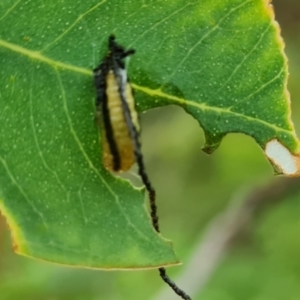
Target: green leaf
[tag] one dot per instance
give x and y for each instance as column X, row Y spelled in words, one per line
column 222, row 61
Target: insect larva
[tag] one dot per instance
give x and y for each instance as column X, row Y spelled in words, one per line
column 112, row 85
column 118, row 119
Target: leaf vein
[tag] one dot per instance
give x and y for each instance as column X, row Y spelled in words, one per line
column 203, row 38
column 90, row 164
column 244, row 59
column 10, row 10
column 79, row 18
column 126, row 19
column 36, row 55
column 159, row 23
column 220, row 53
column 40, row 153
column 14, row 181
column 159, row 93
column 259, row 89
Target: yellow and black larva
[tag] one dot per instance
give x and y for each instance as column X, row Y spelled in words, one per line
column 114, row 105
column 118, row 119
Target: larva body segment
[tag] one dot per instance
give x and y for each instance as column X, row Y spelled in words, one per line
column 122, row 138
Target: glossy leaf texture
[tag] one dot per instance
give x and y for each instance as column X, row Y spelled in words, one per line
column 222, row 61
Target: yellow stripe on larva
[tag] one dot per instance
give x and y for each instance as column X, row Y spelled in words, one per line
column 120, row 129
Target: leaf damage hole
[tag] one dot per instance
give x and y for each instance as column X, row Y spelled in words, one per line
column 282, row 158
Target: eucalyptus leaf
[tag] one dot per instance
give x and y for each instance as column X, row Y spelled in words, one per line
column 222, row 61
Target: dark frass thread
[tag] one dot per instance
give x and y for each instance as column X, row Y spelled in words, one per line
column 114, row 62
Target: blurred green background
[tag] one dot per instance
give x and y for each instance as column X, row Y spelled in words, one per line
column 262, row 263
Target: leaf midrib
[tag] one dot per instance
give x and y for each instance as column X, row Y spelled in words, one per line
column 36, row 55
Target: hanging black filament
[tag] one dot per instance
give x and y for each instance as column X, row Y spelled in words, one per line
column 115, row 103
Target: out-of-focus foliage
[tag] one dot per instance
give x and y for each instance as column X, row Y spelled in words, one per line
column 192, row 188
column 265, row 265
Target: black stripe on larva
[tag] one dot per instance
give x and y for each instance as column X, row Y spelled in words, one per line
column 100, row 74
column 114, row 61
column 110, row 136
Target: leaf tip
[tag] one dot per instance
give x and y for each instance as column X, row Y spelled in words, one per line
column 282, row 159
column 212, row 142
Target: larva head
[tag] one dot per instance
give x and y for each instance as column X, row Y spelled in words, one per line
column 117, row 52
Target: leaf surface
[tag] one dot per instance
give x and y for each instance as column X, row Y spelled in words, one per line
column 222, row 61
